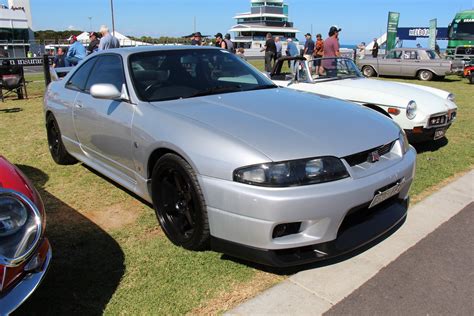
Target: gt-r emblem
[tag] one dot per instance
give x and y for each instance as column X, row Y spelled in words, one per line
column 374, row 156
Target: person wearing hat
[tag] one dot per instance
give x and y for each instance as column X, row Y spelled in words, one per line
column 76, row 52
column 94, row 43
column 197, row 39
column 229, row 43
column 331, row 49
column 220, row 42
column 308, row 48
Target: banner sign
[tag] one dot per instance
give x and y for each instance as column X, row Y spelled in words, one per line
column 433, row 24
column 412, row 33
column 392, row 28
column 37, row 61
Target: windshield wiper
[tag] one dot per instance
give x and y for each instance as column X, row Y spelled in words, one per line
column 261, row 87
column 215, row 90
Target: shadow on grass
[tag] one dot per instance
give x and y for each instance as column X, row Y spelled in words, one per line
column 430, row 146
column 87, row 263
column 318, row 264
column 11, row 110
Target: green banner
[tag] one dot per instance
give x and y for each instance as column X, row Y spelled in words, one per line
column 392, row 27
column 433, row 25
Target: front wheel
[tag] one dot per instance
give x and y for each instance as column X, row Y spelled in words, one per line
column 179, row 203
column 471, row 78
column 368, row 71
column 55, row 143
column 425, row 75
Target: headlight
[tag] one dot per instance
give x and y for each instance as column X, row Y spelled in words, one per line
column 20, row 227
column 404, row 142
column 411, row 110
column 451, row 97
column 293, row 173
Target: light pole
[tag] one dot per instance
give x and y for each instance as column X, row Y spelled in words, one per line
column 90, row 23
column 113, row 22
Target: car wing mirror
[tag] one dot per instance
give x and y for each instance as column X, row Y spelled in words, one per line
column 107, row 91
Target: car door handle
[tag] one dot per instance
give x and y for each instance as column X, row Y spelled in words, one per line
column 79, row 105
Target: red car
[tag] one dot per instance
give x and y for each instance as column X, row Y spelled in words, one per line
column 469, row 73
column 25, row 252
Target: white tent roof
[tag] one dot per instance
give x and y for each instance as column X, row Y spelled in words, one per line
column 124, row 41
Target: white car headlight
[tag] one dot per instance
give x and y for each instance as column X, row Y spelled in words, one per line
column 451, row 97
column 411, row 110
column 404, row 142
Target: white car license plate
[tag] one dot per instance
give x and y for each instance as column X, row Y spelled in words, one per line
column 382, row 196
column 439, row 133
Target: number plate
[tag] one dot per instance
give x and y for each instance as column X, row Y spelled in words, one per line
column 439, row 133
column 382, row 196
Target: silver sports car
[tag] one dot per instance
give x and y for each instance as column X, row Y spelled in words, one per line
column 228, row 159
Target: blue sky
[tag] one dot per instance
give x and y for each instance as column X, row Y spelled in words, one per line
column 360, row 20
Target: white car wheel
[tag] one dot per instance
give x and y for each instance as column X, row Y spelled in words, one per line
column 425, row 75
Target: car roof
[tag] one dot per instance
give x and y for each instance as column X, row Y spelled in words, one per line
column 143, row 49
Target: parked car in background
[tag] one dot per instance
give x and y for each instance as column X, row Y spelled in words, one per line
column 25, row 252
column 228, row 159
column 424, row 113
column 423, row 64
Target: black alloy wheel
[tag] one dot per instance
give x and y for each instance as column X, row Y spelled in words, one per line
column 55, row 143
column 179, row 203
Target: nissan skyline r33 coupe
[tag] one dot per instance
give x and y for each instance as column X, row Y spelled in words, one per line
column 229, row 160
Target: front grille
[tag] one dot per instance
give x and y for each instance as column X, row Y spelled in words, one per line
column 464, row 50
column 439, row 120
column 365, row 156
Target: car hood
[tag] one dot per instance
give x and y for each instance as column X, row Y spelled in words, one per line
column 362, row 90
column 284, row 124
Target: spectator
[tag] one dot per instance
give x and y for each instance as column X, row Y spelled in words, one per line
column 437, row 49
column 108, row 41
column 418, row 45
column 229, row 43
column 76, row 52
column 292, row 50
column 375, row 49
column 220, row 41
column 241, row 53
column 94, row 43
column 361, row 50
column 318, row 53
column 197, row 39
column 279, row 47
column 59, row 60
column 331, row 49
column 270, row 52
column 308, row 48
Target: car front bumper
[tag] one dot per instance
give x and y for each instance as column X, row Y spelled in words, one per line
column 245, row 216
column 12, row 299
column 425, row 134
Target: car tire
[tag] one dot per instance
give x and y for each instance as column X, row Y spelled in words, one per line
column 471, row 78
column 425, row 75
column 368, row 71
column 179, row 203
column 55, row 143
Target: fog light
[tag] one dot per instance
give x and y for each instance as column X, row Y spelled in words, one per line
column 286, row 229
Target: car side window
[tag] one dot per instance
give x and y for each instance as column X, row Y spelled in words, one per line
column 79, row 79
column 410, row 55
column 395, row 54
column 108, row 69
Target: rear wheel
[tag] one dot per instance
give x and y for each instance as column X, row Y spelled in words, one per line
column 425, row 75
column 368, row 71
column 179, row 203
column 55, row 143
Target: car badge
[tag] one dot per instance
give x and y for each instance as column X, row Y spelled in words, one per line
column 374, row 156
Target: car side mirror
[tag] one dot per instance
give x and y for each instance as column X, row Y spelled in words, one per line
column 107, row 91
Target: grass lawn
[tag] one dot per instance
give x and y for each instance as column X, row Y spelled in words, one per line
column 110, row 255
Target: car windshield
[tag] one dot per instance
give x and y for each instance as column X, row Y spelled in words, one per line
column 463, row 30
column 185, row 73
column 335, row 68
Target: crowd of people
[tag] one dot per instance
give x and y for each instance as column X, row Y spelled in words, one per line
column 77, row 51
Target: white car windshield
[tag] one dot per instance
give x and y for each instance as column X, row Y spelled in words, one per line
column 335, row 68
column 185, row 73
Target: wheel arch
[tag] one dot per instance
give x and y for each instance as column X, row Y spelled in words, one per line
column 371, row 66
column 377, row 108
column 426, row 69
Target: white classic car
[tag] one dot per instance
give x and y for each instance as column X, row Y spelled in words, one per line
column 424, row 113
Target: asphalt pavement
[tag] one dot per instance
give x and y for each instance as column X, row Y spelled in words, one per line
column 426, row 267
column 435, row 277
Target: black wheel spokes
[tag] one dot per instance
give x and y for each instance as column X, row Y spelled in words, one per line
column 177, row 203
column 54, row 138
